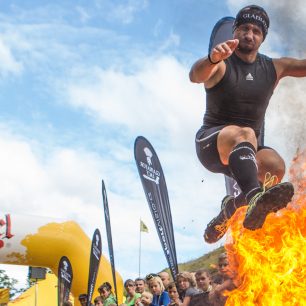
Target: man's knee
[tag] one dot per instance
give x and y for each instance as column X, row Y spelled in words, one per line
column 246, row 134
column 232, row 135
column 269, row 160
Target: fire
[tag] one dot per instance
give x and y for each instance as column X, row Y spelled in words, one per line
column 270, row 263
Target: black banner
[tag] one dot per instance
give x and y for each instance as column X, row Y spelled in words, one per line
column 155, row 188
column 109, row 236
column 95, row 256
column 222, row 31
column 65, row 276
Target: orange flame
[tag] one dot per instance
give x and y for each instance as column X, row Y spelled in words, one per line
column 270, row 263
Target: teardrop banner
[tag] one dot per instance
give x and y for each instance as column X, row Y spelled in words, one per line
column 109, row 236
column 65, row 277
column 155, row 188
column 95, row 256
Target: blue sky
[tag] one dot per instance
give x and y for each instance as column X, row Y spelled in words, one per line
column 80, row 80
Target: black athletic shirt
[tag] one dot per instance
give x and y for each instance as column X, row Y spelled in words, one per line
column 242, row 96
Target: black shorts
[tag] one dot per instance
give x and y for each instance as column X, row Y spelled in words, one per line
column 207, row 151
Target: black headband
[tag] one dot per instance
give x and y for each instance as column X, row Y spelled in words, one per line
column 253, row 14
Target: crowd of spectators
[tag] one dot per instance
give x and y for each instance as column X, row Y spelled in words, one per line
column 199, row 288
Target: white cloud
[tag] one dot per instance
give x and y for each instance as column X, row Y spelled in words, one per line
column 8, row 63
column 84, row 15
column 159, row 94
column 173, row 40
column 125, row 12
column 157, row 30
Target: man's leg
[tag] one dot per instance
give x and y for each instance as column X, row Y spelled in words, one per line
column 236, row 148
column 244, row 169
column 275, row 195
column 269, row 161
column 207, row 151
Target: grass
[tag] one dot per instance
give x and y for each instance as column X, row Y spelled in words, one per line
column 207, row 261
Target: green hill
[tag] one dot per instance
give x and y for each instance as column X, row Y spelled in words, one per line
column 207, row 261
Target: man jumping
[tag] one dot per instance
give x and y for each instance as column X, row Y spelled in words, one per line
column 239, row 82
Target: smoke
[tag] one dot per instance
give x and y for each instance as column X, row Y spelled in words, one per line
column 288, row 108
column 288, row 22
column 286, row 115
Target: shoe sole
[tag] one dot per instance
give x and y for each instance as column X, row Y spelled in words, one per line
column 273, row 200
column 211, row 234
column 212, row 237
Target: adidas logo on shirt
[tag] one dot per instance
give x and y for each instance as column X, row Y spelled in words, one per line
column 249, row 77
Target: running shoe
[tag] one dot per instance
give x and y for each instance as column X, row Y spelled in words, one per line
column 265, row 202
column 218, row 226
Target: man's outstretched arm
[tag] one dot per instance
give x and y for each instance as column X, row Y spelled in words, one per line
column 287, row 66
column 205, row 69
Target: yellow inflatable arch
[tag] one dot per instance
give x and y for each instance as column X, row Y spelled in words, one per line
column 41, row 242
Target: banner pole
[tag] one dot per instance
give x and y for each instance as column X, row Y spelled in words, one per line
column 36, row 292
column 139, row 261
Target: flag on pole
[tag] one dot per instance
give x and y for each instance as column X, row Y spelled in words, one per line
column 143, row 227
